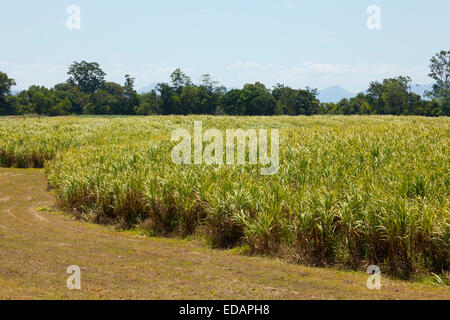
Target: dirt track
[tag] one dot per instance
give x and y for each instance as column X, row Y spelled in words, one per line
column 37, row 244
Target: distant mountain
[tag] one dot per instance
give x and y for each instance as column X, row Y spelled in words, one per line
column 148, row 88
column 331, row 94
column 334, row 94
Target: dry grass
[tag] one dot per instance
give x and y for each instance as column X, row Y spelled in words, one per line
column 37, row 244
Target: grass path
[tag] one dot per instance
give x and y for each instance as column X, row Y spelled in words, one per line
column 37, row 246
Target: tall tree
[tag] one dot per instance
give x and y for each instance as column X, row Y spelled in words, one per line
column 130, row 94
column 5, row 85
column 88, row 76
column 440, row 72
column 374, row 96
column 179, row 80
column 5, row 90
column 166, row 92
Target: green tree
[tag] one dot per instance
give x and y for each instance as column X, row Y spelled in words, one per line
column 440, row 72
column 256, row 99
column 229, row 102
column 392, row 96
column 286, row 98
column 41, row 99
column 62, row 108
column 132, row 99
column 166, row 93
column 395, row 95
column 189, row 100
column 77, row 98
column 306, row 102
column 150, row 104
column 357, row 105
column 179, row 79
column 110, row 99
column 374, row 96
column 209, row 94
column 87, row 76
column 5, row 90
column 5, row 85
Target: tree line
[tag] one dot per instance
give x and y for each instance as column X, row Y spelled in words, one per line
column 87, row 92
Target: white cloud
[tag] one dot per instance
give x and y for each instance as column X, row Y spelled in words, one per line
column 353, row 76
column 249, row 66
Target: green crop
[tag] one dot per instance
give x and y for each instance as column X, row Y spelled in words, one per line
column 349, row 190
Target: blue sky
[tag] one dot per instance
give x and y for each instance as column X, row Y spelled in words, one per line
column 301, row 43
